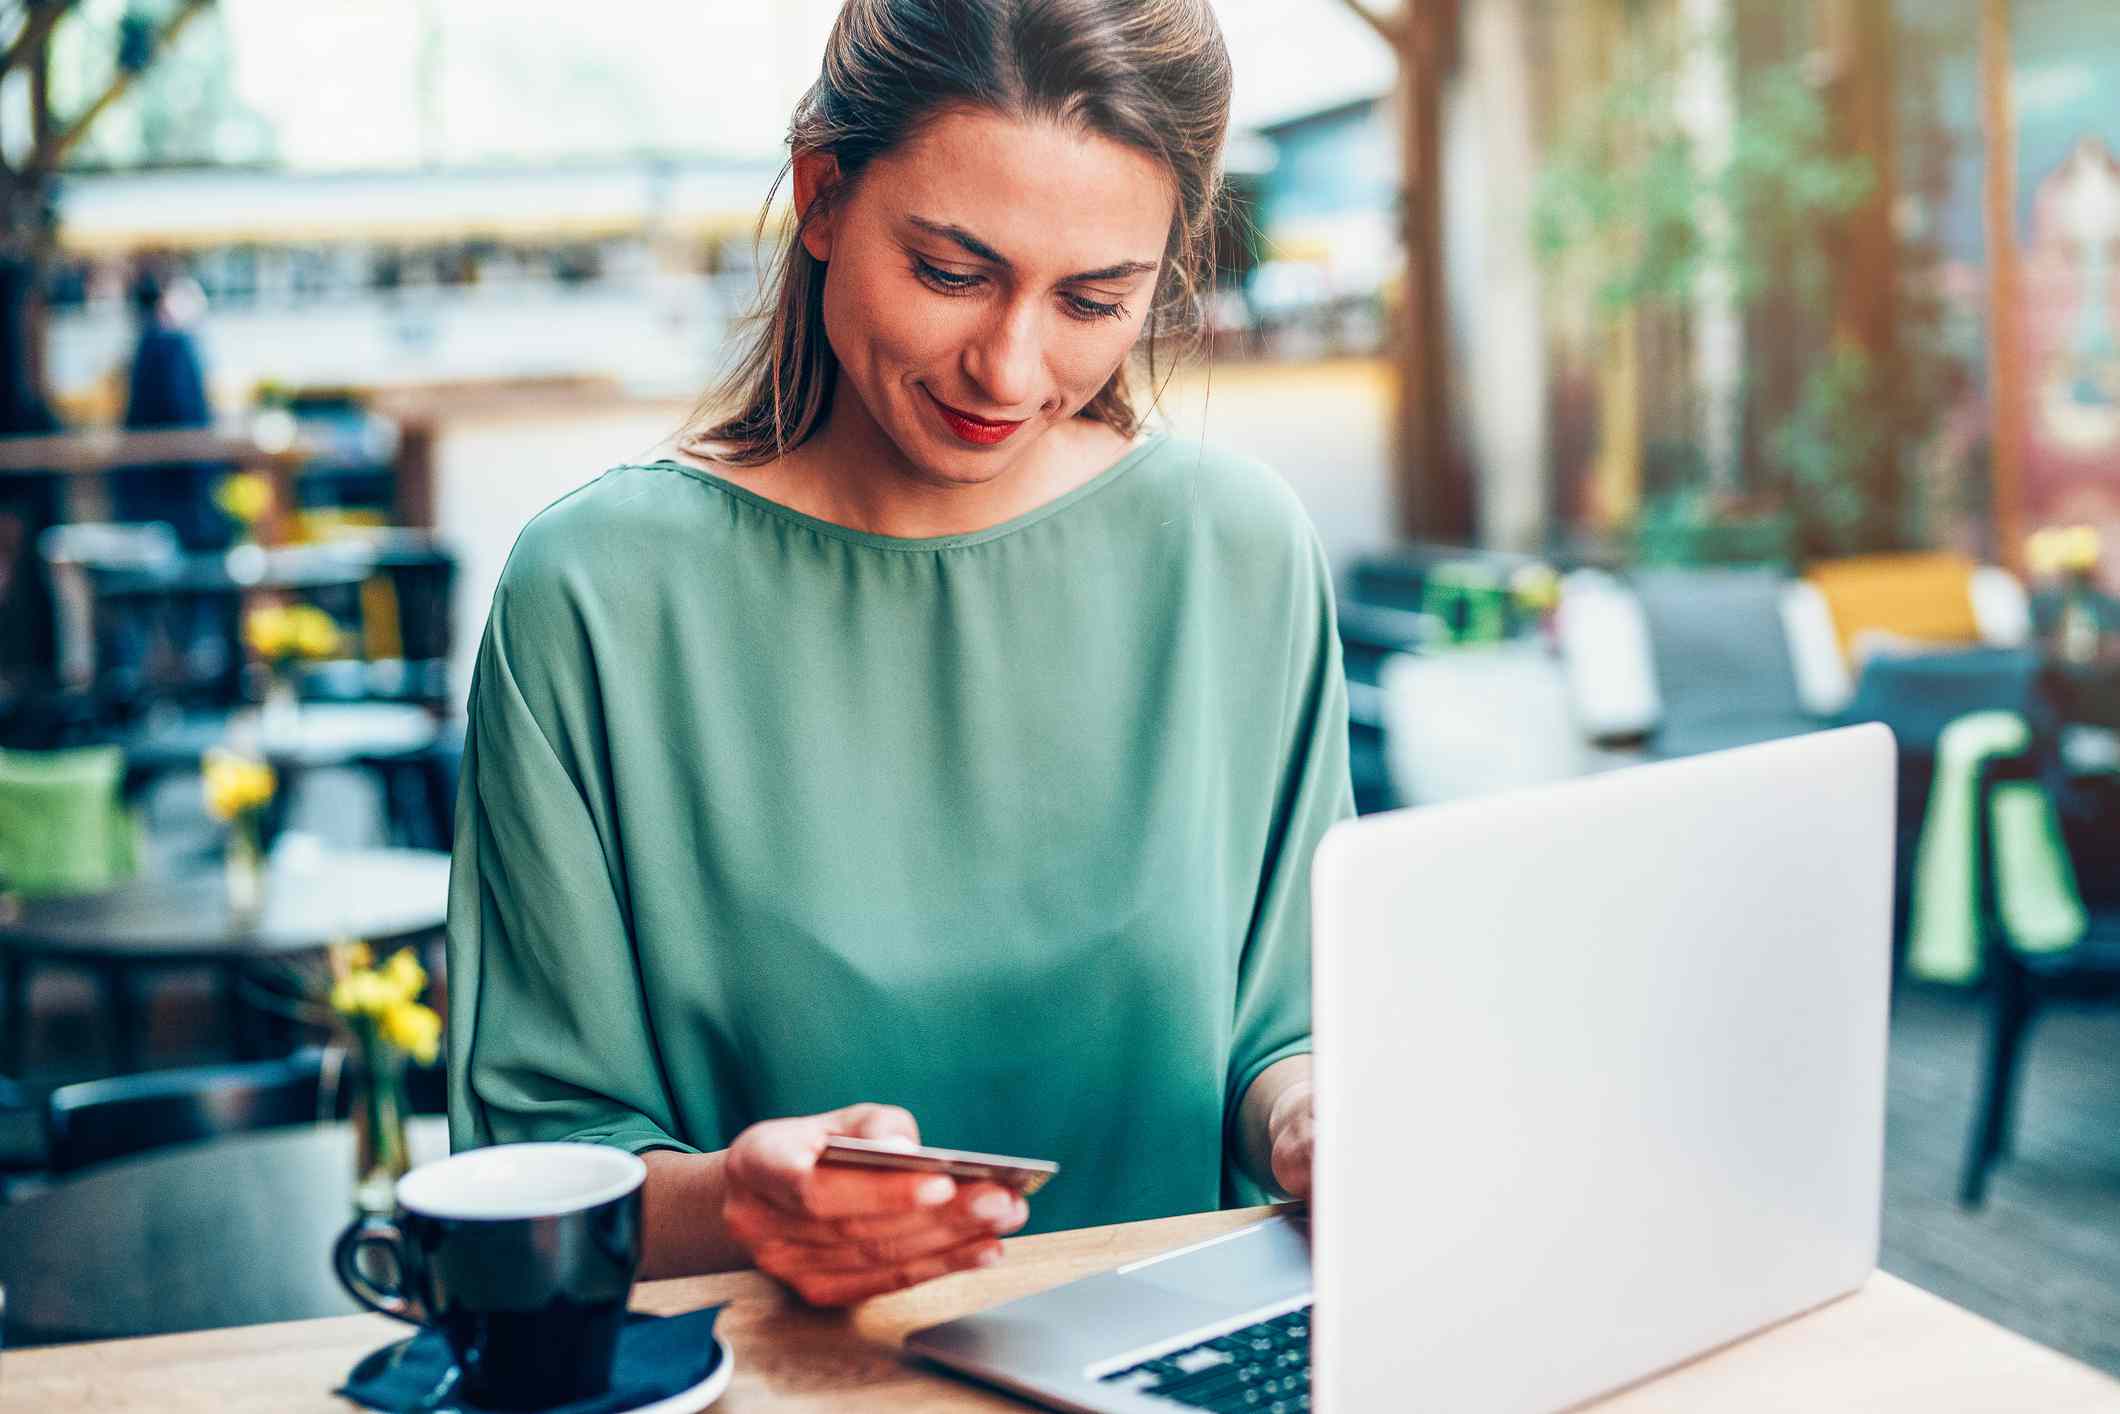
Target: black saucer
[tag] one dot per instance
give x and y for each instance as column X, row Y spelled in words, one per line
column 658, row 1356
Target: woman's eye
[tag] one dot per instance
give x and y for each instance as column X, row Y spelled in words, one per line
column 1094, row 309
column 948, row 281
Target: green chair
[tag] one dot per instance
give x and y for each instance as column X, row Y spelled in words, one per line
column 64, row 826
column 64, row 829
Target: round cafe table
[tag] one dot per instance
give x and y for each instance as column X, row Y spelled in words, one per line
column 320, row 734
column 397, row 744
column 227, row 1232
column 312, row 898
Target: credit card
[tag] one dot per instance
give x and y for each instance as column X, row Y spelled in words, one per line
column 1025, row 1176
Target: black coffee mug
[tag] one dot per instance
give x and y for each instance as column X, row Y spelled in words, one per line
column 521, row 1255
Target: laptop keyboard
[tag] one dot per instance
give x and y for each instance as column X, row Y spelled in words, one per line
column 1261, row 1369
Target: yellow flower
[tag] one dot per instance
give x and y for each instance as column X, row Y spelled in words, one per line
column 364, row 993
column 414, row 1029
column 404, row 972
column 315, row 635
column 2041, row 554
column 2063, row 549
column 270, row 631
column 2080, row 548
column 235, row 785
column 1537, row 587
column 354, row 955
column 245, row 496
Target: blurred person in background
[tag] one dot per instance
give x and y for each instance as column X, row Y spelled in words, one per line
column 928, row 745
column 168, row 390
column 28, row 504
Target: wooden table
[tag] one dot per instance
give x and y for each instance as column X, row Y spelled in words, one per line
column 385, row 896
column 1888, row 1347
column 95, row 451
column 228, row 1232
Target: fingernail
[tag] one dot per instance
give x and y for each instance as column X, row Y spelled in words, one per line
column 990, row 1256
column 935, row 1191
column 993, row 1207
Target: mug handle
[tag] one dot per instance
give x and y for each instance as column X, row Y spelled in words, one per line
column 394, row 1300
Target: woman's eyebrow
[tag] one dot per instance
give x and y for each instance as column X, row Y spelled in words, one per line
column 987, row 253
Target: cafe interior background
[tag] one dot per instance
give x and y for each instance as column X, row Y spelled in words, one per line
column 1661, row 375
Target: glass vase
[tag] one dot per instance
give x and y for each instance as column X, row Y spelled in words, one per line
column 382, row 1154
column 2080, row 631
column 243, row 867
column 280, row 717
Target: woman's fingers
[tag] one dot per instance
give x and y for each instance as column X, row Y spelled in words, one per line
column 821, row 1288
column 777, row 1161
column 833, row 1191
column 833, row 1247
column 873, row 1122
column 1293, row 1127
column 978, row 1208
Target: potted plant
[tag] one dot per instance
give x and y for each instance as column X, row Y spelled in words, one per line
column 2067, row 556
column 382, row 1025
column 281, row 635
column 238, row 790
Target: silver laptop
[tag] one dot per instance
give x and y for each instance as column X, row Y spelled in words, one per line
column 1601, row 1086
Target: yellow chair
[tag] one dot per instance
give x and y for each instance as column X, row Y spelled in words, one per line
column 1929, row 599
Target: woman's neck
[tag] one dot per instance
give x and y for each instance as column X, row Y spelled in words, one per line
column 850, row 474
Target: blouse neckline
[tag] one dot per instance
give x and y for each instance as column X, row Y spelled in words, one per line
column 926, row 543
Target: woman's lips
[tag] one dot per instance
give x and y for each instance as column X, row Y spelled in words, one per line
column 979, row 431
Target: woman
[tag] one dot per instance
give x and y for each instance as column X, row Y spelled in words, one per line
column 924, row 749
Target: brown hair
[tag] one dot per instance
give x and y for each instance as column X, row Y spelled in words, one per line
column 1151, row 74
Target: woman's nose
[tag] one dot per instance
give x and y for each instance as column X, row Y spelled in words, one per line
column 1003, row 362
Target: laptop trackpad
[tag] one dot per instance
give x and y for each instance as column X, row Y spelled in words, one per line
column 1253, row 1267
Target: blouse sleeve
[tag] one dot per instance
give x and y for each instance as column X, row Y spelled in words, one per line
column 1313, row 792
column 548, row 1031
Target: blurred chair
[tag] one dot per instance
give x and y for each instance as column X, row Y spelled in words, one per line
column 1607, row 659
column 159, row 634
column 71, row 553
column 1693, row 660
column 1405, row 599
column 405, row 610
column 1724, row 669
column 21, row 1137
column 64, row 827
column 2020, row 980
column 1920, row 697
column 1921, row 600
column 100, row 1120
column 1465, row 722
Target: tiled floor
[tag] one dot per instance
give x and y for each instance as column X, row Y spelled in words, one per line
column 2043, row 1256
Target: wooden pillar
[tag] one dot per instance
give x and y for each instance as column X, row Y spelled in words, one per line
column 2005, row 312
column 1857, row 36
column 1434, row 498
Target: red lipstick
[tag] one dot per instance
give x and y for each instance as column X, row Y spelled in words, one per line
column 979, row 431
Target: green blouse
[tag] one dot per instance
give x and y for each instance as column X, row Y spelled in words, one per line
column 763, row 816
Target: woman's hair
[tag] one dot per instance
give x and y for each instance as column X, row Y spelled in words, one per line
column 1150, row 74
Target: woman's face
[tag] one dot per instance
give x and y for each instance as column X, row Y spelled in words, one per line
column 984, row 280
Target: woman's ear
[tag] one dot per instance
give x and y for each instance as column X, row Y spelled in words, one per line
column 815, row 174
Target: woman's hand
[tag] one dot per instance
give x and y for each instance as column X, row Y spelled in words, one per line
column 1288, row 1134
column 839, row 1235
